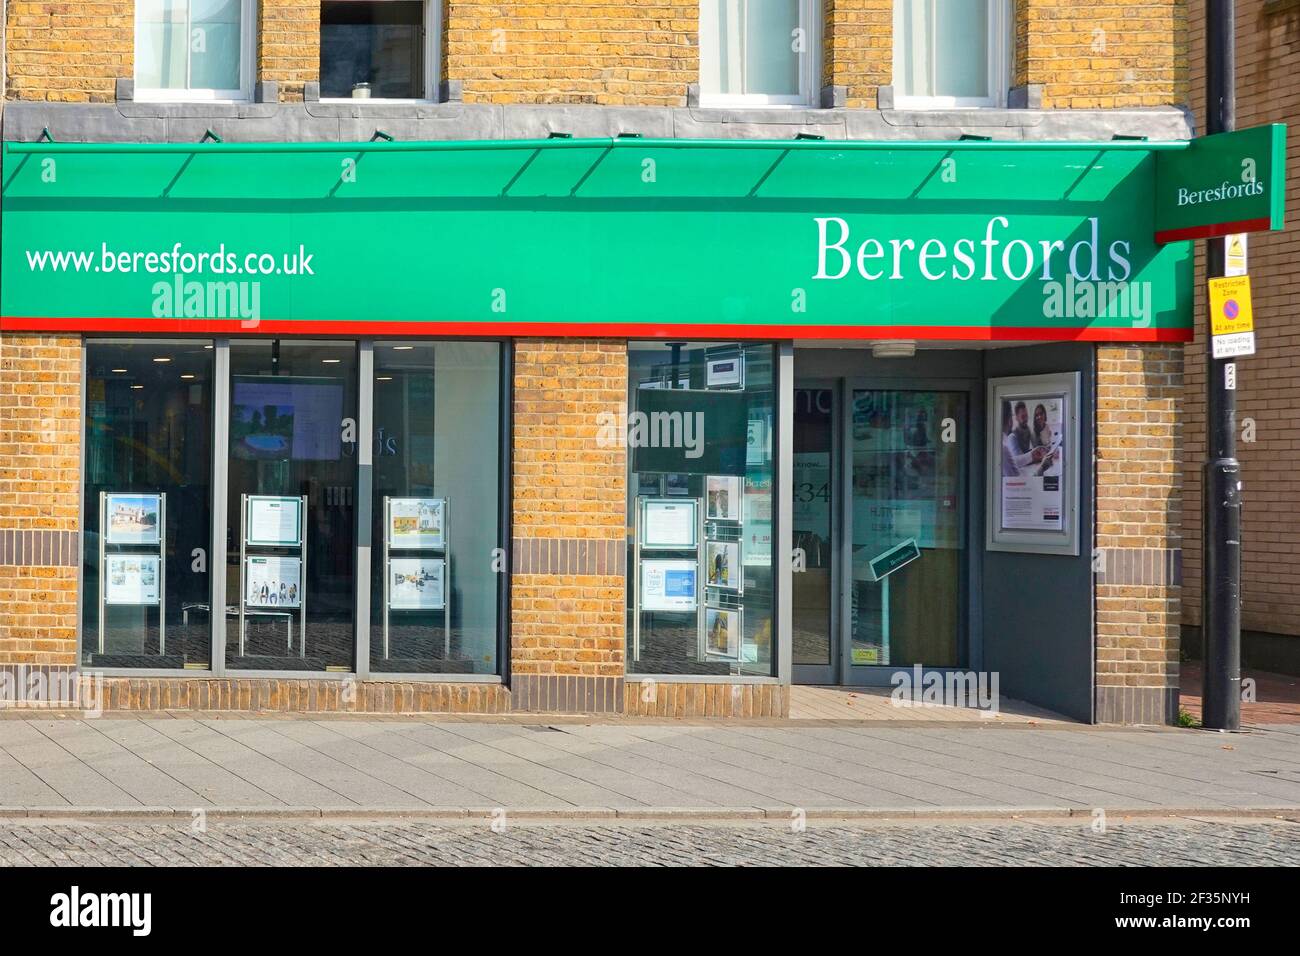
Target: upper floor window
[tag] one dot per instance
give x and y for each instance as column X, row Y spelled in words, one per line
column 378, row 49
column 194, row 49
column 758, row 52
column 950, row 53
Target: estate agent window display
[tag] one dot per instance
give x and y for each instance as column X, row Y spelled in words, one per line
column 147, row 504
column 435, row 509
column 700, row 435
column 291, row 416
column 291, row 505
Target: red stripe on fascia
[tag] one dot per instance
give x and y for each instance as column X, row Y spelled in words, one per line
column 1214, row 230
column 632, row 330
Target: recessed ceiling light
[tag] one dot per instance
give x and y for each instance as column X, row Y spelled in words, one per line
column 331, row 361
column 162, row 358
column 403, row 348
column 207, row 346
column 896, row 348
column 119, row 370
column 187, row 375
column 383, row 378
column 137, row 386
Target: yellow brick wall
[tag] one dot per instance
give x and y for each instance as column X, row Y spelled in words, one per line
column 40, row 489
column 581, row 51
column 1102, row 55
column 1020, row 43
column 636, row 52
column 288, row 47
column 68, row 52
column 569, row 509
column 1139, row 514
column 857, row 48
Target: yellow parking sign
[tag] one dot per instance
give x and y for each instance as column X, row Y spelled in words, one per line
column 1230, row 311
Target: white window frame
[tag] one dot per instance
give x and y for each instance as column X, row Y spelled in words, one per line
column 432, row 65
column 999, row 40
column 247, row 57
column 809, row 72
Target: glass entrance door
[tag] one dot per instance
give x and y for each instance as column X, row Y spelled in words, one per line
column 907, row 508
column 879, row 530
column 815, row 538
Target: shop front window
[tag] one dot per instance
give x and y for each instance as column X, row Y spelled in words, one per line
column 148, row 504
column 700, row 433
column 292, row 508
column 436, row 531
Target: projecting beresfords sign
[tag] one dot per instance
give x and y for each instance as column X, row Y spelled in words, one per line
column 1222, row 184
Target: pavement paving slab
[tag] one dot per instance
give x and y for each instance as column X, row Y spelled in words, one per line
column 177, row 764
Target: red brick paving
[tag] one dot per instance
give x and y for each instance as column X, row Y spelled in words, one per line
column 1277, row 696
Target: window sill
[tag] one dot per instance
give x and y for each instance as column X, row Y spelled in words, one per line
column 925, row 104
column 746, row 103
column 171, row 98
column 374, row 101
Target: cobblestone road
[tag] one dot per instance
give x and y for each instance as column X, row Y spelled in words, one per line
column 1145, row 843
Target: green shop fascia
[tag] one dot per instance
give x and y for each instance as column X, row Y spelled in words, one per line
column 638, row 238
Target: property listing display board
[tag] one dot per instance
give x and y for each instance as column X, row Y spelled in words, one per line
column 727, row 509
column 667, row 554
column 273, row 565
column 417, row 564
column 688, row 555
column 132, row 557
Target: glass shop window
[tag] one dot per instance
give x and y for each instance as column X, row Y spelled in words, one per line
column 292, row 505
column 437, row 554
column 148, row 504
column 701, row 441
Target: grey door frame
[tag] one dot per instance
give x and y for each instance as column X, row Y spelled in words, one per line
column 841, row 671
column 828, row 673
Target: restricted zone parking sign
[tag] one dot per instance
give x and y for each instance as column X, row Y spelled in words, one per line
column 1232, row 323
